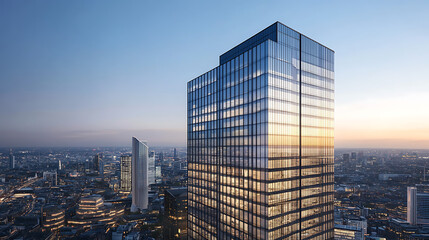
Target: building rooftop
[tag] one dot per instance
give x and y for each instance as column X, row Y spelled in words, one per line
column 178, row 192
column 269, row 33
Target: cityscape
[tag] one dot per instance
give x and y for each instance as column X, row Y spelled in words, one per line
column 262, row 133
column 84, row 193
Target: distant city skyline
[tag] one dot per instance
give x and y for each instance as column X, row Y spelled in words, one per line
column 74, row 73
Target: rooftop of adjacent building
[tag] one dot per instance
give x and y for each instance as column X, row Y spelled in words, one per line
column 178, row 192
column 347, row 227
column 94, row 197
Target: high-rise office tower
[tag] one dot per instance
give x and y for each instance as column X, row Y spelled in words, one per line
column 175, row 208
column 87, row 166
column 101, row 168
column 139, row 180
column 151, row 172
column 423, row 208
column 126, row 173
column 354, row 158
column 158, row 174
column 412, row 205
column 261, row 141
column 97, row 162
column 51, row 177
column 11, row 160
column 175, row 154
column 346, row 158
column 417, row 206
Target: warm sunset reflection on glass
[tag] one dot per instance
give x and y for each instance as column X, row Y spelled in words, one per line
column 260, row 141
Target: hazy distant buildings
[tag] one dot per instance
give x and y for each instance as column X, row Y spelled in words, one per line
column 140, row 189
column 158, row 174
column 391, row 176
column 98, row 164
column 11, row 160
column 126, row 173
column 51, row 177
column 354, row 156
column 261, row 142
column 151, row 172
column 412, row 205
column 346, row 158
column 88, row 166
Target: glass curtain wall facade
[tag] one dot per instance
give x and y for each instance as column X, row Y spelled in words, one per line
column 126, row 173
column 151, row 171
column 260, row 141
column 139, row 176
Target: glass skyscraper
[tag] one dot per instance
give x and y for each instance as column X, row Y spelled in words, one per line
column 151, row 171
column 126, row 173
column 261, row 141
column 11, row 160
column 139, row 175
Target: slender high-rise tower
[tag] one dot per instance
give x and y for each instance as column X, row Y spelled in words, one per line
column 11, row 160
column 126, row 173
column 261, row 141
column 151, row 168
column 412, row 205
column 139, row 181
column 98, row 164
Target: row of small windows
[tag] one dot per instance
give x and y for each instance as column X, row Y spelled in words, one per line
column 203, row 80
column 310, row 106
column 311, row 95
column 279, row 124
column 290, row 110
column 231, row 68
column 317, row 56
column 258, row 129
column 279, row 157
column 317, row 61
column 279, row 154
column 317, row 70
column 198, row 116
column 243, row 61
column 254, row 85
column 310, row 115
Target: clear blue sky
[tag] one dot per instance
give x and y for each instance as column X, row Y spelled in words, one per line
column 91, row 73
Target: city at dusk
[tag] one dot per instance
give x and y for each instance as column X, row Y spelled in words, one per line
column 214, row 120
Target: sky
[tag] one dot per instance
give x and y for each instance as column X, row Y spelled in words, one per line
column 96, row 73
